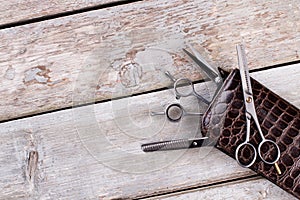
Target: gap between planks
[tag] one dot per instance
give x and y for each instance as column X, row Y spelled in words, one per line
column 146, row 92
column 202, row 187
column 132, row 45
column 66, row 150
column 250, row 188
column 22, row 13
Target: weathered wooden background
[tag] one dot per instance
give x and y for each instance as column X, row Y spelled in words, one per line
column 58, row 56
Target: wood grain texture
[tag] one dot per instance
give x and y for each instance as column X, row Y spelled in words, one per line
column 44, row 65
column 93, row 152
column 17, row 10
column 246, row 189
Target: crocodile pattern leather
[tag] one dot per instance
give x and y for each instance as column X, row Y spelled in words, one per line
column 224, row 121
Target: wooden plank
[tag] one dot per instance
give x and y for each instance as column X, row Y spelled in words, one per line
column 94, row 151
column 44, row 65
column 16, row 10
column 246, row 189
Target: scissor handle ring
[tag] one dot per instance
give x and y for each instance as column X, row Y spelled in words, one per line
column 189, row 82
column 277, row 149
column 237, row 154
column 180, row 114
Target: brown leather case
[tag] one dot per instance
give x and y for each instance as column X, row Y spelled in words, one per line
column 224, row 121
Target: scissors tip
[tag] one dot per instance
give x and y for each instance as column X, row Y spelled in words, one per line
column 186, row 51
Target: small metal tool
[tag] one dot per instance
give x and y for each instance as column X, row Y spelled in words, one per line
column 251, row 114
column 175, row 112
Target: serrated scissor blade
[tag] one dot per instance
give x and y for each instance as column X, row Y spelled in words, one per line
column 244, row 71
column 173, row 144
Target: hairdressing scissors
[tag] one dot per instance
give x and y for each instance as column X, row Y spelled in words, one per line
column 175, row 111
column 210, row 72
column 189, row 90
column 251, row 115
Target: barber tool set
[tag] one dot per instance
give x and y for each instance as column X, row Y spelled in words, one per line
column 249, row 122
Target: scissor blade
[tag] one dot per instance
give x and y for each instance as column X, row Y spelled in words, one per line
column 208, row 70
column 199, row 57
column 173, row 144
column 244, row 71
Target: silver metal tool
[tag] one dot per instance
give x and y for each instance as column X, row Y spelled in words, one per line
column 175, row 112
column 183, row 87
column 251, row 114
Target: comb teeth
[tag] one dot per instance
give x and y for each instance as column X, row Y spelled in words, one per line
column 167, row 145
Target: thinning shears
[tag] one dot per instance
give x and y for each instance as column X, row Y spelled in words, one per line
column 175, row 111
column 251, row 115
column 189, row 90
